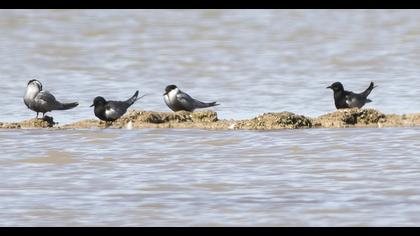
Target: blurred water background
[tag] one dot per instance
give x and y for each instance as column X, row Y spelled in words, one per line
column 250, row 61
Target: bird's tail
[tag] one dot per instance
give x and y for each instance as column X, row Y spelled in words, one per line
column 134, row 98
column 369, row 89
column 66, row 106
column 207, row 104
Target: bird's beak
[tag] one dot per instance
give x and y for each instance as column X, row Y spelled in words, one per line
column 165, row 94
column 329, row 87
column 92, row 105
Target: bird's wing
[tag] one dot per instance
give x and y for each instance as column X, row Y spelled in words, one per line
column 47, row 101
column 186, row 101
column 46, row 97
column 355, row 100
column 115, row 109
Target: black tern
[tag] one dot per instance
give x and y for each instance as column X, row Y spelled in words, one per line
column 43, row 101
column 180, row 101
column 348, row 99
column 112, row 110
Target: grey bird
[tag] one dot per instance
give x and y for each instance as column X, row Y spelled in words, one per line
column 348, row 99
column 42, row 101
column 177, row 100
column 112, row 110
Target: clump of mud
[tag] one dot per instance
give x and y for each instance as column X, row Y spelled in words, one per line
column 393, row 120
column 209, row 120
column 279, row 120
column 350, row 118
column 149, row 119
column 9, row 125
column 200, row 119
column 85, row 124
column 181, row 119
column 46, row 122
column 165, row 117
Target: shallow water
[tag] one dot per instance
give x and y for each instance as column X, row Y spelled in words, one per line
column 160, row 177
column 250, row 61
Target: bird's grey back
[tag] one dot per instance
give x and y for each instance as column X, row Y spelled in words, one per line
column 44, row 101
column 187, row 101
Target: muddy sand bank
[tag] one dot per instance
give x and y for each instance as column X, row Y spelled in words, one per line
column 208, row 120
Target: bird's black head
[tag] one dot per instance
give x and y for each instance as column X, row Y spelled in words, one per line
column 336, row 87
column 35, row 82
column 98, row 101
column 169, row 88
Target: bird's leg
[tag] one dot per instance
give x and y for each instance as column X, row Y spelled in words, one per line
column 43, row 115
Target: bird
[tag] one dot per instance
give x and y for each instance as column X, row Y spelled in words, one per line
column 42, row 101
column 112, row 110
column 177, row 100
column 348, row 99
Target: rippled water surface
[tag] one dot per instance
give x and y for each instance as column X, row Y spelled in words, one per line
column 250, row 61
column 156, row 177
